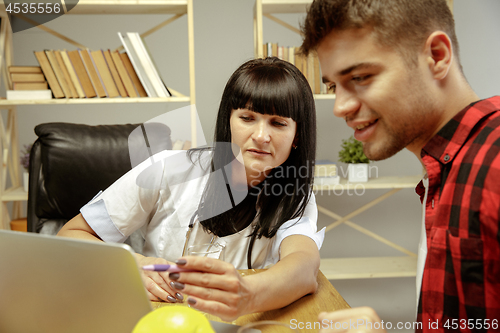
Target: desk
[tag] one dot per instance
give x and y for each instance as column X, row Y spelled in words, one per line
column 304, row 310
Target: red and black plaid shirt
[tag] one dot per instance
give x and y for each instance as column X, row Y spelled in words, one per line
column 461, row 281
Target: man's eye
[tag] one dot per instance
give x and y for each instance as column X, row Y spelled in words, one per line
column 331, row 88
column 360, row 78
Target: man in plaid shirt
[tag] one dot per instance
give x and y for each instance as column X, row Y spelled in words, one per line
column 394, row 66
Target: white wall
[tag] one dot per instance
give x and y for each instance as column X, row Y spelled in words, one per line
column 223, row 40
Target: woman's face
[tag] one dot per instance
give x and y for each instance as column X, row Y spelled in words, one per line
column 265, row 141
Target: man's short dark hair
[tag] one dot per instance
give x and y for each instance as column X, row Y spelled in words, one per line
column 401, row 24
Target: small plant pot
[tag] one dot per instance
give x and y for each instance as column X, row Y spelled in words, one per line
column 357, row 173
column 26, row 181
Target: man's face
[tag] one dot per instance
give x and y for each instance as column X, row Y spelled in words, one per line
column 387, row 102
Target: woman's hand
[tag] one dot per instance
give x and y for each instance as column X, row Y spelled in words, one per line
column 157, row 283
column 216, row 288
column 363, row 319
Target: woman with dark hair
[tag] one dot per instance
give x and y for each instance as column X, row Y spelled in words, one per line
column 250, row 193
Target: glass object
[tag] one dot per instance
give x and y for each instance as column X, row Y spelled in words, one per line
column 210, row 250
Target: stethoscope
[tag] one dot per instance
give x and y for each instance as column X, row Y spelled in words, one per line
column 190, row 230
column 193, row 218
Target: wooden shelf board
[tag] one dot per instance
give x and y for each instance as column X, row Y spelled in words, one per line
column 369, row 267
column 15, row 194
column 324, row 96
column 5, row 102
column 374, row 183
column 285, row 6
column 130, row 7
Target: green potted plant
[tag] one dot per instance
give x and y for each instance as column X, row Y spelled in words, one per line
column 25, row 162
column 352, row 153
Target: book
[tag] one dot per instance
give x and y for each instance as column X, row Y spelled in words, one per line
column 27, row 77
column 310, row 70
column 137, row 66
column 103, row 70
column 94, row 77
column 81, row 73
column 325, row 168
column 148, row 64
column 177, row 145
column 317, row 75
column 133, row 75
column 58, row 72
column 25, row 69
column 72, row 74
column 65, row 72
column 326, row 181
column 114, row 73
column 291, row 55
column 47, row 70
column 125, row 77
column 29, row 94
column 30, row 86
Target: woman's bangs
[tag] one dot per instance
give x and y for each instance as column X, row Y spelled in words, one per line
column 266, row 93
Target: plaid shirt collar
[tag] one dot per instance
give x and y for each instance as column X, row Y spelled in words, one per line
column 445, row 145
column 450, row 139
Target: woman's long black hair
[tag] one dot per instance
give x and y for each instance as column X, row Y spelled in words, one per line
column 267, row 86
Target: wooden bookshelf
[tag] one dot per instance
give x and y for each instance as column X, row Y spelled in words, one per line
column 65, row 101
column 9, row 145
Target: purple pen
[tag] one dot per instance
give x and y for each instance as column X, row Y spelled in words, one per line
column 165, row 268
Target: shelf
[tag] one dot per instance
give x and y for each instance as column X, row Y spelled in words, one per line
column 66, row 101
column 369, row 267
column 130, row 7
column 324, row 96
column 15, row 194
column 285, row 6
column 374, row 183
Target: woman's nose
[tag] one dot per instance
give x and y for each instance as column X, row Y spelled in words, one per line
column 261, row 133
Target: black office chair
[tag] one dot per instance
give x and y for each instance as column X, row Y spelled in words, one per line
column 71, row 163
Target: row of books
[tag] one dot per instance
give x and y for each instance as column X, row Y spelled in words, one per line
column 181, row 145
column 309, row 66
column 325, row 173
column 84, row 73
column 25, row 80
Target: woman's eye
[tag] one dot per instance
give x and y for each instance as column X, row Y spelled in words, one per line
column 278, row 123
column 245, row 118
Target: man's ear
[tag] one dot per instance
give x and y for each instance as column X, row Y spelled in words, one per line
column 440, row 54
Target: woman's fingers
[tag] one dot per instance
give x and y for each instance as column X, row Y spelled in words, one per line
column 228, row 281
column 159, row 288
column 157, row 284
column 221, row 310
column 204, row 264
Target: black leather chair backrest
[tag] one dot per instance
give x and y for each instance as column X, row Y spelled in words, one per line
column 71, row 163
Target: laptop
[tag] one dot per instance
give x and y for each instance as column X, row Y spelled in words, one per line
column 55, row 284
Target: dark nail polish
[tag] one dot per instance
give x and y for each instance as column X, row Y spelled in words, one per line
column 173, row 276
column 179, row 296
column 191, row 301
column 171, row 299
column 181, row 262
column 177, row 285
